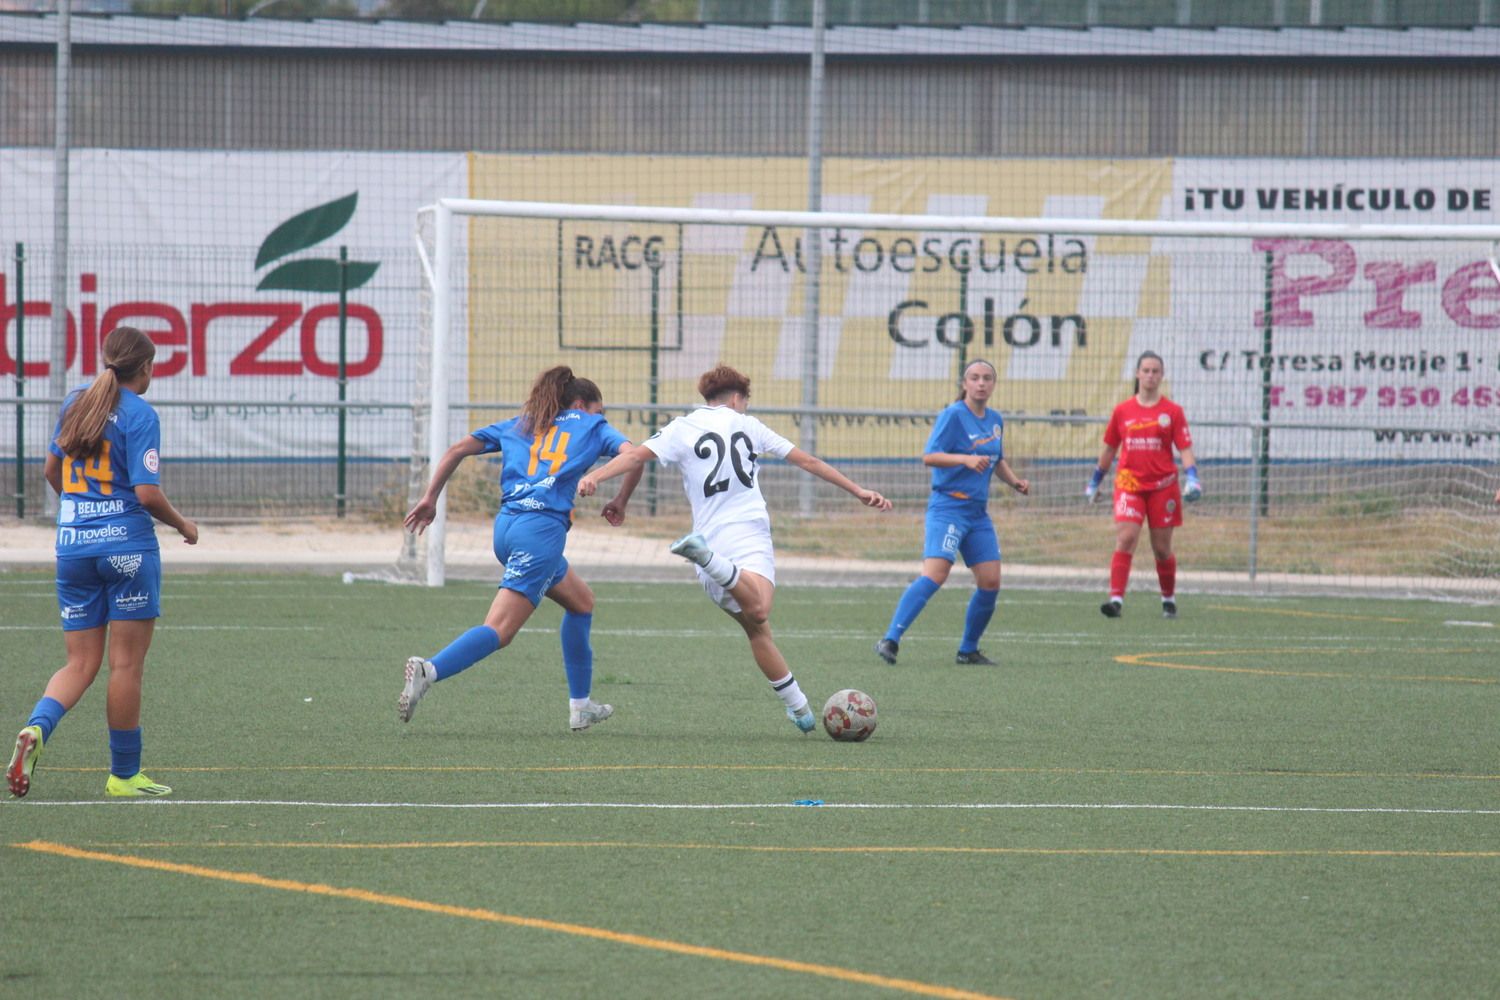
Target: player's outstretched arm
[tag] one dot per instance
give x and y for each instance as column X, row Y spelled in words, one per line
column 614, row 510
column 634, row 458
column 811, row 463
column 420, row 516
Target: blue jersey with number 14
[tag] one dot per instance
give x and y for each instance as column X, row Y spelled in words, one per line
column 540, row 472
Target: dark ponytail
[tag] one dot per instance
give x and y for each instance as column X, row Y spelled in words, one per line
column 127, row 351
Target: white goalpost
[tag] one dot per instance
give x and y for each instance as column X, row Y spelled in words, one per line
column 1342, row 381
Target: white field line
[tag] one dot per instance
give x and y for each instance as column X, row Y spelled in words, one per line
column 1032, row 638
column 712, row 806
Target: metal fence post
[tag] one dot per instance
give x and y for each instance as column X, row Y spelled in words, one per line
column 1257, row 460
column 1264, row 471
column 654, row 382
column 20, row 381
column 343, row 374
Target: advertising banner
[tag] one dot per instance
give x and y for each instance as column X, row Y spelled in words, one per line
column 1400, row 336
column 637, row 305
column 230, row 261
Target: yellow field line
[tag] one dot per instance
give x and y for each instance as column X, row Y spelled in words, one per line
column 798, row 769
column 1145, row 852
column 1144, row 660
column 533, row 923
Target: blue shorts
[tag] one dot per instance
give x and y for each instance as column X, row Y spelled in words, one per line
column 960, row 528
column 531, row 548
column 98, row 589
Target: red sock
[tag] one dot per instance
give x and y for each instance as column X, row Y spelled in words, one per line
column 1166, row 572
column 1119, row 574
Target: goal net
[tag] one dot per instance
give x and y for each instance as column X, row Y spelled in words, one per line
column 1342, row 382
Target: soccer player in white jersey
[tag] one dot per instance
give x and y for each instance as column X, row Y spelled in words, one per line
column 716, row 448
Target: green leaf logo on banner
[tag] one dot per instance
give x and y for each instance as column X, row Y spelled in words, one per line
column 302, row 231
column 315, row 276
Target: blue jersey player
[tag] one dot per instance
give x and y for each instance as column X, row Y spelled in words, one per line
column 964, row 451
column 105, row 465
column 559, row 434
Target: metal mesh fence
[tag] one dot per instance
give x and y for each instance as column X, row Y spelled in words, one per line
column 218, row 165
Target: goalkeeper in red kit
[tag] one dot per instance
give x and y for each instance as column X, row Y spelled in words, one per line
column 1143, row 430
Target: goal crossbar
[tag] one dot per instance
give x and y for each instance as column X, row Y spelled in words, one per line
column 969, row 223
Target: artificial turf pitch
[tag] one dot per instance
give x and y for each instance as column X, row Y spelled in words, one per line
column 1263, row 798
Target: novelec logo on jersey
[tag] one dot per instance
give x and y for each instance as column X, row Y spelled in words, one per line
column 188, row 337
column 92, row 536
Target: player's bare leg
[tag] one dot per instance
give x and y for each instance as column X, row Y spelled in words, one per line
column 128, row 644
column 85, row 649
column 767, row 656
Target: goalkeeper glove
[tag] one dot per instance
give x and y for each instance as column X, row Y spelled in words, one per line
column 1091, row 491
column 1192, row 489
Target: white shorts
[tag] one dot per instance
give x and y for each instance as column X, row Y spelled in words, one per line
column 747, row 544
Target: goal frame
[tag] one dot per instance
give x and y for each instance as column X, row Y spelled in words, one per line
column 445, row 211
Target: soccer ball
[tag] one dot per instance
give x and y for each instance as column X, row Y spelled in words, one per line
column 849, row 716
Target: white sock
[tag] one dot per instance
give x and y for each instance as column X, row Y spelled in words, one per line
column 790, row 694
column 721, row 571
column 578, row 702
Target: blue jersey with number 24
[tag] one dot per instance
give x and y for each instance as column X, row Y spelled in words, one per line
column 98, row 513
column 540, row 472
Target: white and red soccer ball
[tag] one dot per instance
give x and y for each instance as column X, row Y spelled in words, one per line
column 849, row 716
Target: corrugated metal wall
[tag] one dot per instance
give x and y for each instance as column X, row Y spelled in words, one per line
column 1023, row 107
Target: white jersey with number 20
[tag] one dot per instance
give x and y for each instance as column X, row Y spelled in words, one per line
column 716, row 449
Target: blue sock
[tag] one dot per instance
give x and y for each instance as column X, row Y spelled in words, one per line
column 977, row 618
column 578, row 655
column 125, row 752
column 465, row 651
column 911, row 604
column 47, row 714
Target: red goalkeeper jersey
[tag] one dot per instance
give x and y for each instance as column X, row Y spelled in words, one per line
column 1145, row 436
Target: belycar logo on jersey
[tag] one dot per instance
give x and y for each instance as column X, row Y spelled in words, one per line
column 189, row 338
column 92, row 536
column 69, row 511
